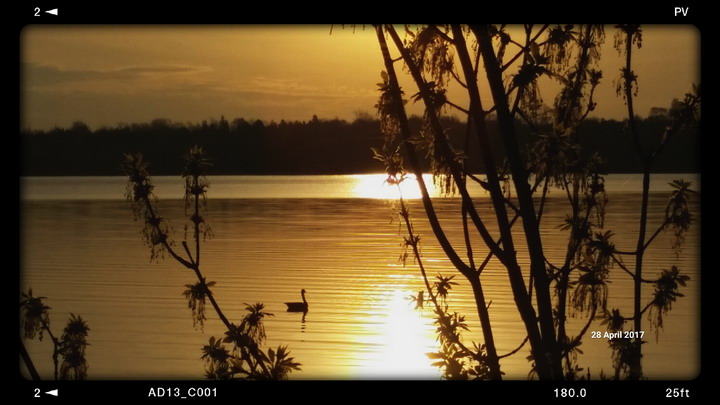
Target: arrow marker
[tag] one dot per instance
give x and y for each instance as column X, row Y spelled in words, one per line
column 52, row 392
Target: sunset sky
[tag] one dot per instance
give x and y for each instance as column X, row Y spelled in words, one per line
column 105, row 75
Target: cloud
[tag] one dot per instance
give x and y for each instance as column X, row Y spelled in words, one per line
column 179, row 80
column 49, row 75
column 292, row 89
column 181, row 93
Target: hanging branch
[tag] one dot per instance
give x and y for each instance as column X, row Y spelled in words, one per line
column 398, row 112
column 247, row 335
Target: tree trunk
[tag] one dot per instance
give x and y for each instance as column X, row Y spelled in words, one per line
column 492, row 358
column 470, row 274
column 527, row 210
column 509, row 260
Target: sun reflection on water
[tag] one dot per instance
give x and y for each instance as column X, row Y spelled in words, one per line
column 375, row 186
column 400, row 338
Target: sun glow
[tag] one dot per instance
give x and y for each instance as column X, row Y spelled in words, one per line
column 403, row 337
column 376, row 186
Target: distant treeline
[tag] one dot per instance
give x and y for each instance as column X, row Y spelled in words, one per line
column 317, row 146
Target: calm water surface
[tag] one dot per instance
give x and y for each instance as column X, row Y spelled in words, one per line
column 336, row 237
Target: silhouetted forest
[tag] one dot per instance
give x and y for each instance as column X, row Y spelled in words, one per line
column 317, row 146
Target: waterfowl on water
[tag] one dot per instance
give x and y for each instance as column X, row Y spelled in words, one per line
column 298, row 306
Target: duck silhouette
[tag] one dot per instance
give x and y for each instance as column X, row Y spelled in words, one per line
column 298, row 306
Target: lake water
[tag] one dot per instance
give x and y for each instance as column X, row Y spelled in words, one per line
column 336, row 237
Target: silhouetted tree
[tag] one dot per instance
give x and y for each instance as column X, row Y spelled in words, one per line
column 240, row 126
column 68, row 349
column 362, row 115
column 258, row 126
column 518, row 177
column 80, row 128
column 160, row 123
column 246, row 358
column 223, row 125
column 677, row 215
column 332, row 146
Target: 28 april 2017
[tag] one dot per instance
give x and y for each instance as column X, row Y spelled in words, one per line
column 621, row 334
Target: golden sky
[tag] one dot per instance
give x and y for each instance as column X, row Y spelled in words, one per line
column 105, row 75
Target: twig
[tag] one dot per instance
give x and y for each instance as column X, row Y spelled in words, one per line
column 517, row 349
column 28, row 362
